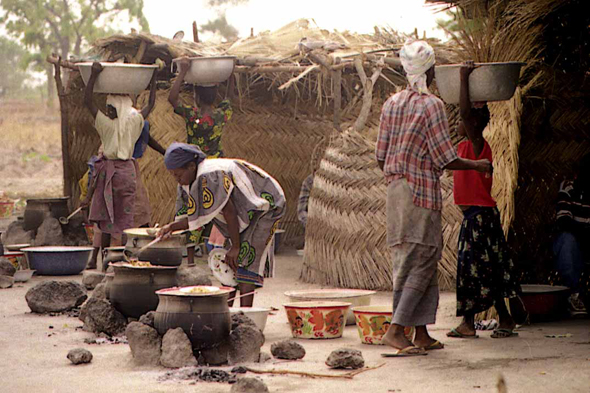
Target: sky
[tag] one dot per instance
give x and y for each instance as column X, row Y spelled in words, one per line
column 353, row 15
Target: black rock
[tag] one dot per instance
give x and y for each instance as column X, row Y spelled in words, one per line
column 345, row 358
column 80, row 356
column 249, row 385
column 145, row 343
column 99, row 316
column 148, row 318
column 55, row 296
column 287, row 349
column 6, row 268
column 239, row 370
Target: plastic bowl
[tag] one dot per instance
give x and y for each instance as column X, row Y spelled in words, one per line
column 356, row 297
column 258, row 315
column 209, row 71
column 23, row 275
column 488, row 82
column 373, row 322
column 316, row 320
column 58, row 260
column 119, row 78
column 544, row 302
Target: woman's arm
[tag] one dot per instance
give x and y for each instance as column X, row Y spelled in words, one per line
column 231, row 218
column 156, row 146
column 152, row 100
column 475, row 136
column 180, row 225
column 88, row 101
column 184, row 65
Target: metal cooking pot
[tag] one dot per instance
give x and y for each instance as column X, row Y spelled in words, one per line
column 112, row 255
column 38, row 210
column 167, row 252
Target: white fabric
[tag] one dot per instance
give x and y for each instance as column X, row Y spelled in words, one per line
column 119, row 135
column 417, row 57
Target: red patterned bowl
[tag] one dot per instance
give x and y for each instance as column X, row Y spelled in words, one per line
column 373, row 322
column 317, row 320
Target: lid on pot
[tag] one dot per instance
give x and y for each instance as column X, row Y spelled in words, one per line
column 147, row 232
column 198, row 290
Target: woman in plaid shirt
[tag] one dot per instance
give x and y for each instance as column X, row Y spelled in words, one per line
column 413, row 148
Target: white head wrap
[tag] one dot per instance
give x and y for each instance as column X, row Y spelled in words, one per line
column 127, row 115
column 417, row 57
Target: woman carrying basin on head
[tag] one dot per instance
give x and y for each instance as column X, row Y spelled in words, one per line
column 244, row 202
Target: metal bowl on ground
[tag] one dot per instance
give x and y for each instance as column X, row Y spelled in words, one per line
column 133, row 288
column 16, row 247
column 57, row 260
column 208, row 71
column 356, row 297
column 372, row 323
column 204, row 316
column 167, row 252
column 316, row 319
column 545, row 302
column 258, row 315
column 119, row 78
column 488, row 82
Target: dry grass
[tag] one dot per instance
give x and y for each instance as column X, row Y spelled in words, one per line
column 30, row 152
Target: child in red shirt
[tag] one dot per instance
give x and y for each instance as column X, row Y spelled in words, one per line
column 484, row 266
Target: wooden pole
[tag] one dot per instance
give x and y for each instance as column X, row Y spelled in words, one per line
column 195, row 32
column 65, row 150
column 251, row 32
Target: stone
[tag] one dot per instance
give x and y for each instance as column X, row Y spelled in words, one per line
column 6, row 268
column 249, row 385
column 55, row 296
column 6, row 282
column 345, row 358
column 148, row 318
column 15, row 234
column 188, row 276
column 287, row 349
column 264, row 357
column 49, row 233
column 91, row 278
column 241, row 319
column 80, row 356
column 99, row 316
column 100, row 292
column 145, row 343
column 244, row 344
column 215, row 356
column 177, row 350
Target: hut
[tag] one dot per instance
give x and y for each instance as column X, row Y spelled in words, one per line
column 292, row 89
column 537, row 138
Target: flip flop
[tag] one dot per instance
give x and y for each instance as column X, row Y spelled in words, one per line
column 435, row 345
column 454, row 333
column 503, row 333
column 406, row 352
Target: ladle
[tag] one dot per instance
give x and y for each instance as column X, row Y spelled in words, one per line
column 66, row 220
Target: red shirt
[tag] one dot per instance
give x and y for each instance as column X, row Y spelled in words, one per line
column 415, row 143
column 473, row 188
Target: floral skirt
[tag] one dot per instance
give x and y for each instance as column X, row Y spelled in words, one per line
column 484, row 267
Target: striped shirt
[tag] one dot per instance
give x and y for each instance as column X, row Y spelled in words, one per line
column 573, row 207
column 415, row 143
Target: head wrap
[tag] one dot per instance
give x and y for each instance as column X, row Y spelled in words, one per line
column 417, row 57
column 128, row 118
column 180, row 154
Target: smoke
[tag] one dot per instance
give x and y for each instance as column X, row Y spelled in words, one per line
column 221, row 26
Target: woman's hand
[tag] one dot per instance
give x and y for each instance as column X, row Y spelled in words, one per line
column 466, row 69
column 165, row 232
column 231, row 258
column 96, row 68
column 184, row 64
column 484, row 166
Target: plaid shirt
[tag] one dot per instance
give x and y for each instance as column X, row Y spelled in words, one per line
column 415, row 143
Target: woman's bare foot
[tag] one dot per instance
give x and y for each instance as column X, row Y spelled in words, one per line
column 396, row 338
column 464, row 329
column 422, row 339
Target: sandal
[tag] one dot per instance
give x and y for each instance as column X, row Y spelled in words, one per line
column 405, row 352
column 435, row 345
column 503, row 333
column 454, row 333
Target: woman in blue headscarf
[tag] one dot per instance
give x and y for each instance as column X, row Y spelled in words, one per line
column 244, row 202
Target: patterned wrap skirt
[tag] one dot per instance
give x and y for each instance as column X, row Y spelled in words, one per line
column 484, row 267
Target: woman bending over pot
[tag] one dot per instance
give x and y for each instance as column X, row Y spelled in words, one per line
column 244, row 202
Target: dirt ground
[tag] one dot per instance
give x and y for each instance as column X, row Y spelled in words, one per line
column 33, row 352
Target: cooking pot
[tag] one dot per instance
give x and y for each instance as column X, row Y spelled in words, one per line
column 38, row 210
column 205, row 318
column 133, row 289
column 167, row 252
column 112, row 255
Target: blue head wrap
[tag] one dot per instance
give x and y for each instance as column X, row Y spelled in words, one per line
column 179, row 154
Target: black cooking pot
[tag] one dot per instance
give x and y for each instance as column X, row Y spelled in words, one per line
column 205, row 318
column 167, row 252
column 133, row 289
column 38, row 210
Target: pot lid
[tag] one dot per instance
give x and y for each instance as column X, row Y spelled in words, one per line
column 187, row 291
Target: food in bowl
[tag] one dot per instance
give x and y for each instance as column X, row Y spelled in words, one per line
column 135, row 263
column 199, row 290
column 373, row 322
column 316, row 320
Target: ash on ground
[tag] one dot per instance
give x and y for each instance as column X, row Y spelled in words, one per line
column 200, row 374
